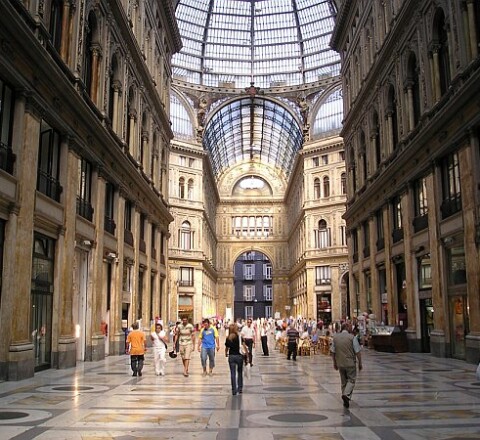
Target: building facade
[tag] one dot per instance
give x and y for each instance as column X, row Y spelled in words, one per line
column 411, row 72
column 85, row 140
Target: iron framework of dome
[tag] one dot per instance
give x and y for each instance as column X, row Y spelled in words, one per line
column 265, row 42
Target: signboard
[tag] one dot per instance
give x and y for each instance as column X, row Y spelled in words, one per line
column 287, row 307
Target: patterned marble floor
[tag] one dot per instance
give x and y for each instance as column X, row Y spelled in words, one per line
column 397, row 397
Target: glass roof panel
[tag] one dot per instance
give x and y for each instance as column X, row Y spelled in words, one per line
column 252, row 129
column 255, row 40
column 329, row 116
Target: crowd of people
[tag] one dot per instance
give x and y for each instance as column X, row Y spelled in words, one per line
column 241, row 338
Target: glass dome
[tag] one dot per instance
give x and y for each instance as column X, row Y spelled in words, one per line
column 232, row 43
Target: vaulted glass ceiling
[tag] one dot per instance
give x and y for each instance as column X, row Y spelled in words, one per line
column 252, row 129
column 268, row 42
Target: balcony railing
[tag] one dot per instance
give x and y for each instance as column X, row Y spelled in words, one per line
column 185, row 283
column 109, row 225
column 128, row 237
column 84, row 209
column 420, row 223
column 397, row 235
column 7, row 158
column 48, row 185
column 451, row 206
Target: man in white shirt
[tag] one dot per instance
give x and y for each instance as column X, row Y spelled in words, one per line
column 248, row 337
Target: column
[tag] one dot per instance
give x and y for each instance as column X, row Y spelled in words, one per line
column 19, row 360
column 472, row 28
column 96, row 53
column 437, row 336
column 65, row 28
column 64, row 258
column 410, row 109
column 436, row 72
column 468, row 158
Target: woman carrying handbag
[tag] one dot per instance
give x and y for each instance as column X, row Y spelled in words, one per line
column 233, row 346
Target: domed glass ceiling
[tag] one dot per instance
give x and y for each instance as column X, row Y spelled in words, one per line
column 232, row 43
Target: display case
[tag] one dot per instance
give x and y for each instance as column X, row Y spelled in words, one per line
column 389, row 338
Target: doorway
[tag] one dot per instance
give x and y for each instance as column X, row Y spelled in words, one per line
column 426, row 322
column 458, row 325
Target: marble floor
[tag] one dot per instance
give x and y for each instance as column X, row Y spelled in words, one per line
column 398, row 396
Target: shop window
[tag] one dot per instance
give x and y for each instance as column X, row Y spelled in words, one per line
column 420, row 205
column 397, row 232
column 424, row 272
column 380, row 230
column 457, row 270
column 109, row 225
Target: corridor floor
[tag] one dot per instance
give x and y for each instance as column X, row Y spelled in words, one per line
column 397, row 396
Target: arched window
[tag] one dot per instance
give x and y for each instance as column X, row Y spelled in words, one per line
column 316, row 188
column 190, row 189
column 322, row 235
column 413, row 89
column 440, row 41
column 185, row 236
column 326, row 187
column 181, row 188
column 343, row 183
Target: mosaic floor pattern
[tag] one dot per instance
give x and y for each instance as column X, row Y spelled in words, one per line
column 401, row 396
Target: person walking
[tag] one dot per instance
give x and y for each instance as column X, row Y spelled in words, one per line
column 292, row 342
column 346, row 352
column 207, row 342
column 248, row 338
column 264, row 338
column 159, row 342
column 136, row 347
column 235, row 359
column 185, row 336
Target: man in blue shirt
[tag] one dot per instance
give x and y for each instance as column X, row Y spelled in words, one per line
column 207, row 342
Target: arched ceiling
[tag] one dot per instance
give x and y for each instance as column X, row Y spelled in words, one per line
column 252, row 129
column 267, row 42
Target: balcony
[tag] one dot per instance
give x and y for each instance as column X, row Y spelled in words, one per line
column 451, row 206
column 84, row 209
column 7, row 158
column 397, row 235
column 109, row 225
column 48, row 185
column 420, row 223
column 323, row 281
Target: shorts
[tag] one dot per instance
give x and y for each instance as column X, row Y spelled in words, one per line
column 186, row 351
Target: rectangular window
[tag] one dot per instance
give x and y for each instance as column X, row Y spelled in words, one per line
column 343, row 235
column 457, row 269
column 342, row 155
column 452, row 197
column 7, row 101
column 323, row 275
column 248, row 312
column 355, row 245
column 248, row 293
column 110, row 225
column 325, row 159
column 397, row 232
column 424, row 272
column 380, row 231
column 420, row 220
column 49, row 162
column 182, row 161
column 268, row 293
column 84, row 190
column 268, row 312
column 127, row 277
column 186, row 276
column 366, row 239
column 143, row 225
column 191, row 162
column 128, row 218
column 248, row 271
column 267, row 271
column 315, row 161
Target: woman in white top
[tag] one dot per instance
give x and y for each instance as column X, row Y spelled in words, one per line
column 159, row 339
